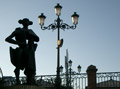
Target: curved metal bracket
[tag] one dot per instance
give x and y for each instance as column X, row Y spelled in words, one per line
column 51, row 26
column 58, row 23
column 66, row 26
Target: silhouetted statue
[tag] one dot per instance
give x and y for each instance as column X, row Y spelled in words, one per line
column 23, row 57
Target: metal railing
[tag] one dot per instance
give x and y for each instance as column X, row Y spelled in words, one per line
column 78, row 81
column 108, row 79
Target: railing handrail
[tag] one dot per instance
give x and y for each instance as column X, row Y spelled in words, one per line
column 106, row 72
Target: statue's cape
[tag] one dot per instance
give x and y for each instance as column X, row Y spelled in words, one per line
column 16, row 57
column 12, row 56
column 21, row 61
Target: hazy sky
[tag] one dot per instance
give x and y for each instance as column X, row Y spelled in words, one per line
column 96, row 40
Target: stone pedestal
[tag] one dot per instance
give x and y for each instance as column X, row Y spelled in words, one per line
column 23, row 87
column 91, row 72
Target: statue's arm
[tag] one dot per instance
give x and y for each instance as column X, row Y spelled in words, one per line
column 10, row 39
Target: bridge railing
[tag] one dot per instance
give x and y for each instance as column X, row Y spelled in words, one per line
column 108, row 79
column 77, row 81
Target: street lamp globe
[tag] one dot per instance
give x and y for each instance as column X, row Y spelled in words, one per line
column 70, row 63
column 61, row 68
column 41, row 19
column 75, row 17
column 79, row 68
column 58, row 9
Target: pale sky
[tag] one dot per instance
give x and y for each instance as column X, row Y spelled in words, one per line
column 96, row 40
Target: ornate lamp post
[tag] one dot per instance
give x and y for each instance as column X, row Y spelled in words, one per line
column 70, row 65
column 58, row 24
column 79, row 69
column 68, row 83
column 61, row 69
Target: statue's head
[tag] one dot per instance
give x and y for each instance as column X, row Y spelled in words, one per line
column 25, row 22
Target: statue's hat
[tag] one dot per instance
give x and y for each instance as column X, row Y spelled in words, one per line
column 25, row 21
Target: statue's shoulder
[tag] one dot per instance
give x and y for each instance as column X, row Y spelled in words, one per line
column 30, row 30
column 18, row 28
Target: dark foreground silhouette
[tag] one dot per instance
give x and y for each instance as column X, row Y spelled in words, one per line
column 23, row 57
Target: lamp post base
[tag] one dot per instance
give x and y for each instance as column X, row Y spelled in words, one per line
column 57, row 82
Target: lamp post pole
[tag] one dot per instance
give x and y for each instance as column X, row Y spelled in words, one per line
column 58, row 80
column 70, row 77
column 58, row 24
column 70, row 64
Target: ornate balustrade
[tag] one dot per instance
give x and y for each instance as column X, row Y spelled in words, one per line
column 78, row 81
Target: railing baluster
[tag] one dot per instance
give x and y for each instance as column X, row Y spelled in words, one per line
column 79, row 83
